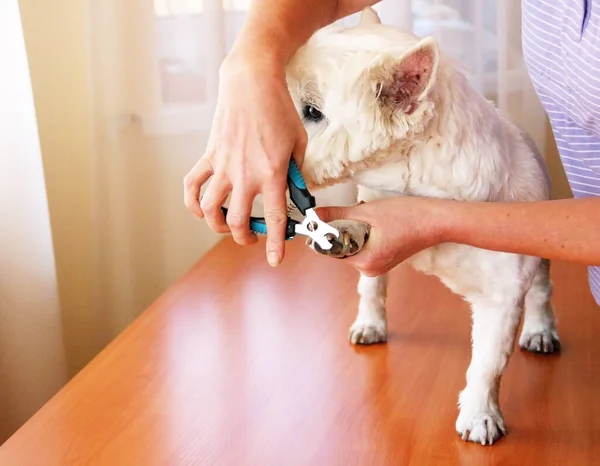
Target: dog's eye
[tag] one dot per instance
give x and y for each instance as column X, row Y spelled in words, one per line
column 312, row 113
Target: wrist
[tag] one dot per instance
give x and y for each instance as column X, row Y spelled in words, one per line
column 257, row 61
column 441, row 217
column 264, row 46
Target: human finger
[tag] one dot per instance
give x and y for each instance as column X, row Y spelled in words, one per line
column 331, row 213
column 192, row 185
column 212, row 201
column 238, row 216
column 275, row 213
column 300, row 147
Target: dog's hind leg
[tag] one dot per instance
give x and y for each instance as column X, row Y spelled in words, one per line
column 539, row 326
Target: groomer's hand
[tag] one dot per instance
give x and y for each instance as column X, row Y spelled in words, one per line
column 255, row 131
column 400, row 227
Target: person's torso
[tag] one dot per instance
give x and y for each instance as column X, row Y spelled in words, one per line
column 561, row 45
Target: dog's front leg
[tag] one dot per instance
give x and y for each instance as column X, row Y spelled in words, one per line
column 494, row 331
column 353, row 235
column 370, row 325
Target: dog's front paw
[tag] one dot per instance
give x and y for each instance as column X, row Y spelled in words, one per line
column 367, row 333
column 352, row 237
column 484, row 427
column 544, row 341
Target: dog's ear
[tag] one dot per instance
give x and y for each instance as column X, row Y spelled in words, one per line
column 369, row 16
column 401, row 82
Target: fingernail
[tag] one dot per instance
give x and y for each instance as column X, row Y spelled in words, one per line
column 273, row 259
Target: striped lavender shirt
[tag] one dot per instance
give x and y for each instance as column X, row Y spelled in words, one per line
column 561, row 44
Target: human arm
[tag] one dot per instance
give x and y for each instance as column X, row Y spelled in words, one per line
column 278, row 28
column 256, row 128
column 567, row 230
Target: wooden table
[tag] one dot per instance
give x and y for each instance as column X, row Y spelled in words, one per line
column 241, row 364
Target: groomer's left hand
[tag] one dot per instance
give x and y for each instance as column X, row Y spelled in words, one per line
column 400, row 227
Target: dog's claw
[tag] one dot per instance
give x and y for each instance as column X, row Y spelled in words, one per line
column 544, row 342
column 362, row 333
column 484, row 429
column 352, row 237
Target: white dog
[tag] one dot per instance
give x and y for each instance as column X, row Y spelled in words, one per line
column 389, row 111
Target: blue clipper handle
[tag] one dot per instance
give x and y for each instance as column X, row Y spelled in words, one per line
column 299, row 194
column 259, row 226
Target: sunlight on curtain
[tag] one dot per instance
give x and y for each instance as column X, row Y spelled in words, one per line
column 155, row 67
column 32, row 355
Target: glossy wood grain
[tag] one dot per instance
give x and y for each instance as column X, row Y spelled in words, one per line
column 241, row 364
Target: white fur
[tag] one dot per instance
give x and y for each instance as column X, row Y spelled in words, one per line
column 454, row 144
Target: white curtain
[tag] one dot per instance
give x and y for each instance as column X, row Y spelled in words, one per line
column 124, row 94
column 32, row 357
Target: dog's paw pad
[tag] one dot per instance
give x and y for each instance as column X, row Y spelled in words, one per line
column 367, row 333
column 352, row 237
column 544, row 342
column 482, row 428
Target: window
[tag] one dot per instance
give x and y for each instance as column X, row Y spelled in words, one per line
column 183, row 41
column 163, row 8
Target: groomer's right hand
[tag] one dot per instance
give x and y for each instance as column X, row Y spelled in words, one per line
column 255, row 131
